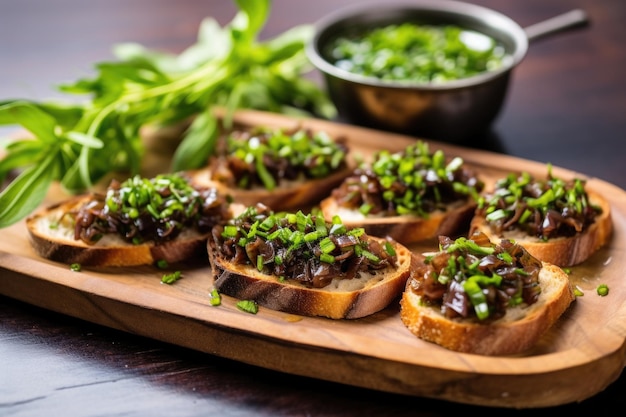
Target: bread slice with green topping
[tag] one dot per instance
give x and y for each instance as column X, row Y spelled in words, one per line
column 475, row 296
column 411, row 196
column 137, row 222
column 285, row 169
column 301, row 264
column 556, row 220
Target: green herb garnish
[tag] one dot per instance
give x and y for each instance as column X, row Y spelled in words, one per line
column 248, row 306
column 215, row 298
column 171, row 277
column 578, row 292
column 414, row 181
column 424, row 54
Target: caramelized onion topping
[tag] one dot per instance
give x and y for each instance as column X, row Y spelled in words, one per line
column 545, row 209
column 268, row 157
column 413, row 181
column 477, row 278
column 157, row 209
column 301, row 247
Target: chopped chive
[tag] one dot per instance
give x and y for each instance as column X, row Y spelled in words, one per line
column 215, row 298
column 171, row 278
column 327, row 245
column 602, row 290
column 248, row 306
column 325, row 257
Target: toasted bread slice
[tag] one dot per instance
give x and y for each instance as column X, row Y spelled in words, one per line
column 410, row 196
column 519, row 330
column 341, row 299
column 561, row 251
column 286, row 169
column 406, row 229
column 139, row 221
column 52, row 237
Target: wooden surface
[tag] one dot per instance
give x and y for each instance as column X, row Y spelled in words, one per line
column 376, row 352
column 566, row 106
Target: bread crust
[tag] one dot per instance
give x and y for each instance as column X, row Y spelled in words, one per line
column 52, row 238
column 561, row 251
column 372, row 294
column 407, row 229
column 289, row 196
column 519, row 330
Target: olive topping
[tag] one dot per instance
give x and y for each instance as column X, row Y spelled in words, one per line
column 156, row 209
column 477, row 278
column 301, row 247
column 267, row 157
column 413, row 181
column 545, row 209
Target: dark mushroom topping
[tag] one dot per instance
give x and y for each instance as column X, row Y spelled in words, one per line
column 157, row 209
column 413, row 181
column 545, row 209
column 477, row 278
column 301, row 247
column 267, row 157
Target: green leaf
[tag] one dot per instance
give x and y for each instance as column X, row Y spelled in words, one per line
column 24, row 194
column 66, row 115
column 252, row 17
column 214, row 43
column 85, row 140
column 19, row 154
column 31, row 117
column 134, row 52
column 199, row 142
column 290, row 43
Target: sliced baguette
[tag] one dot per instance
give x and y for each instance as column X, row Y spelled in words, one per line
column 517, row 331
column 292, row 191
column 406, row 229
column 561, row 251
column 411, row 195
column 341, row 299
column 62, row 232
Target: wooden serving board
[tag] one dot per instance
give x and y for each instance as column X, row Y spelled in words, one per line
column 580, row 356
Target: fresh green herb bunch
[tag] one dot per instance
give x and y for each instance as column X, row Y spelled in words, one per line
column 417, row 53
column 156, row 209
column 413, row 181
column 302, row 247
column 545, row 208
column 78, row 144
column 474, row 277
column 269, row 156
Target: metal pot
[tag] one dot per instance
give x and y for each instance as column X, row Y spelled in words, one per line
column 453, row 111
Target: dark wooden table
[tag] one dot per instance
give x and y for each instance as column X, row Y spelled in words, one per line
column 566, row 105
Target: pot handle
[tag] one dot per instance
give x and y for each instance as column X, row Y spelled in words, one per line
column 569, row 20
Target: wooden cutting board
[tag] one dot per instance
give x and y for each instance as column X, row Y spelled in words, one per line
column 377, row 352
